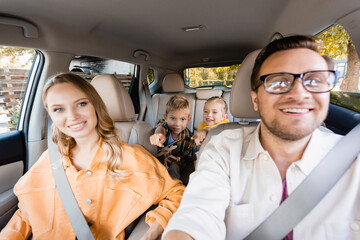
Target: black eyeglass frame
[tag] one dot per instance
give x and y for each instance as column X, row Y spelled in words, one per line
column 295, row 76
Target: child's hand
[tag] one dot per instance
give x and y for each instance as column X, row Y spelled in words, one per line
column 199, row 136
column 158, row 139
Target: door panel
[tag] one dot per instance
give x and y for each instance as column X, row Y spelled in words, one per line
column 8, row 205
column 10, row 174
column 12, row 147
column 12, row 157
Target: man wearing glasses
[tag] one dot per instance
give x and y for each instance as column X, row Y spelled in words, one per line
column 290, row 89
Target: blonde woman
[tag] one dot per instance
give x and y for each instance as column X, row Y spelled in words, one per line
column 113, row 182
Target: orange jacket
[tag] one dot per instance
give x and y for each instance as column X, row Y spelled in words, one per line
column 108, row 206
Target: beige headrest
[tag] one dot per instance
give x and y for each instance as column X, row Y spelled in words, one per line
column 206, row 94
column 241, row 105
column 115, row 97
column 173, row 82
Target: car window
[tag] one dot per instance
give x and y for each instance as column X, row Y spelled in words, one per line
column 210, row 76
column 88, row 67
column 15, row 65
column 338, row 45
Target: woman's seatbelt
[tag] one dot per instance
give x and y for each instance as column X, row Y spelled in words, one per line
column 67, row 197
column 310, row 192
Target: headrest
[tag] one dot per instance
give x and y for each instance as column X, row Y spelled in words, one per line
column 115, row 97
column 173, row 82
column 206, row 94
column 241, row 105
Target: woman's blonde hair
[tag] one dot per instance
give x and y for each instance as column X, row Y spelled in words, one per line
column 105, row 127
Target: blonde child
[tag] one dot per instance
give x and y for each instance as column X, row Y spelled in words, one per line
column 215, row 113
column 174, row 139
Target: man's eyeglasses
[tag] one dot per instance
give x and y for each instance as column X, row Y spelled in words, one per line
column 314, row 81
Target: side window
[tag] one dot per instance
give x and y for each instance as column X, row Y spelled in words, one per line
column 15, row 64
column 212, row 76
column 150, row 76
column 338, row 45
column 88, row 67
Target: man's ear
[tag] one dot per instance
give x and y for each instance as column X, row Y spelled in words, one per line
column 189, row 118
column 254, row 99
column 165, row 117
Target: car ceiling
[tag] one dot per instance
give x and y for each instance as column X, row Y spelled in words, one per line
column 116, row 28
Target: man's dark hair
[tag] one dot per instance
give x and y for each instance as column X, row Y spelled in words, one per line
column 285, row 43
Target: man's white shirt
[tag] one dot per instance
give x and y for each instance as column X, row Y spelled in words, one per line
column 237, row 185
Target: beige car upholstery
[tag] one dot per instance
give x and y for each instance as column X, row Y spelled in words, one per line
column 240, row 100
column 226, row 97
column 121, row 110
column 173, row 84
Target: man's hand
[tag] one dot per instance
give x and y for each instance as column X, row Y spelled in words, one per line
column 158, row 139
column 153, row 232
column 200, row 136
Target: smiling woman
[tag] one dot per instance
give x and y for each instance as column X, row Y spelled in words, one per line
column 74, row 116
column 113, row 174
column 73, row 112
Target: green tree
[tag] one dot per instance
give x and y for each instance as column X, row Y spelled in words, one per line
column 338, row 45
column 222, row 73
column 150, row 76
column 14, row 113
column 15, row 54
column 202, row 76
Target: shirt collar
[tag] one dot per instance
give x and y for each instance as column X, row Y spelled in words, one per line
column 318, row 146
column 316, row 149
column 254, row 147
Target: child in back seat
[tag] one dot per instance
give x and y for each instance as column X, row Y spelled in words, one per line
column 214, row 113
column 174, row 139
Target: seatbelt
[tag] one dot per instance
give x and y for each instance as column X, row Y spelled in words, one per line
column 149, row 103
column 133, row 139
column 67, row 197
column 310, row 192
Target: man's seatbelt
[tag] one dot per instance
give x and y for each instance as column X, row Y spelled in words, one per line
column 310, row 192
column 67, row 197
column 149, row 104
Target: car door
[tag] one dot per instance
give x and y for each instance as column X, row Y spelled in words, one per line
column 17, row 85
